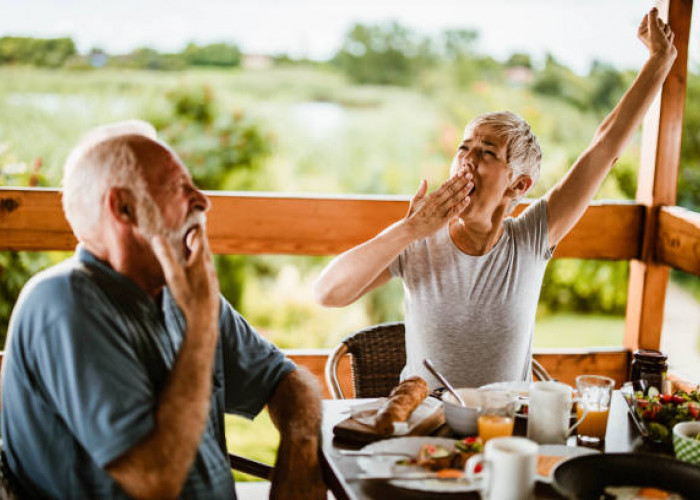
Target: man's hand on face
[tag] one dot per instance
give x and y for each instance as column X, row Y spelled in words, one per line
column 194, row 284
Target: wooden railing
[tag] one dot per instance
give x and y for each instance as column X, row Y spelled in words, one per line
column 32, row 219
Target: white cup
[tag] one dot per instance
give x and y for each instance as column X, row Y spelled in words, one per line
column 509, row 465
column 550, row 411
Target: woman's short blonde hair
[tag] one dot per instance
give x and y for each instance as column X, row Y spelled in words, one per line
column 523, row 152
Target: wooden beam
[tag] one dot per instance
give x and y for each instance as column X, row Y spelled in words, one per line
column 658, row 175
column 678, row 241
column 32, row 219
column 564, row 365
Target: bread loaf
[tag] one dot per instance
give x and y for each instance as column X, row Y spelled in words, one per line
column 403, row 399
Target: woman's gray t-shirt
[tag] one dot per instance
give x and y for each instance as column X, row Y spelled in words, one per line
column 474, row 316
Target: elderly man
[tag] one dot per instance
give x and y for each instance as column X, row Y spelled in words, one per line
column 122, row 360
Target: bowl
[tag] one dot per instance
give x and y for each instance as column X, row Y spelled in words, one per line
column 462, row 420
column 687, row 448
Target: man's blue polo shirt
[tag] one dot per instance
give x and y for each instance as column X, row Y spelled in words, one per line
column 88, row 355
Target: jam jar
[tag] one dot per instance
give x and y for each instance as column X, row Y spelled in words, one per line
column 650, row 366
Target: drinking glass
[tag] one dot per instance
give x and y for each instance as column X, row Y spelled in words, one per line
column 594, row 394
column 496, row 413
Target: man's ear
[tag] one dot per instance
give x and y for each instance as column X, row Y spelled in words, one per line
column 122, row 205
column 520, row 186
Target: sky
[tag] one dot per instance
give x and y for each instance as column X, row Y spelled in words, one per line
column 575, row 31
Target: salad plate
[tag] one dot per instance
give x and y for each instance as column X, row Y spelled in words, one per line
column 656, row 414
column 381, row 464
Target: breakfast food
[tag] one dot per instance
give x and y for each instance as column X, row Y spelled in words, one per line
column 448, row 462
column 403, row 399
column 545, row 464
column 636, row 493
column 660, row 412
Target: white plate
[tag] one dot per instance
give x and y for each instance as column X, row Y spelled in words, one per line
column 560, row 450
column 387, row 465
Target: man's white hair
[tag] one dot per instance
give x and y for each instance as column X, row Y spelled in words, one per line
column 92, row 169
column 523, row 152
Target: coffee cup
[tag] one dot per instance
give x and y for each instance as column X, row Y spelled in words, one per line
column 508, row 469
column 549, row 412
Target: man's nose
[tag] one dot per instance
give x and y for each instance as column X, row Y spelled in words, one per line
column 200, row 201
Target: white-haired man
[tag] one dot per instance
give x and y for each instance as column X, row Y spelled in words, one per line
column 122, row 360
column 472, row 275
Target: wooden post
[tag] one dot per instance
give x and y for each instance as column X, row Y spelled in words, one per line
column 658, row 175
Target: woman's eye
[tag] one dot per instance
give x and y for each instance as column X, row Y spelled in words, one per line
column 463, row 148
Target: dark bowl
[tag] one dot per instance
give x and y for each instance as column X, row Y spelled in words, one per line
column 585, row 477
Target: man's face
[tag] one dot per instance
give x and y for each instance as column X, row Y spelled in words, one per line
column 483, row 153
column 172, row 206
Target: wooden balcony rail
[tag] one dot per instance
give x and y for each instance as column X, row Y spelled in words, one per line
column 678, row 239
column 242, row 223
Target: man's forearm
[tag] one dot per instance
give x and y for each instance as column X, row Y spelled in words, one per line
column 295, row 409
column 158, row 465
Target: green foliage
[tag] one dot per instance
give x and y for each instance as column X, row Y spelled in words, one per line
column 519, row 60
column 44, row 52
column 215, row 54
column 223, row 150
column 148, row 58
column 383, row 54
column 556, row 80
column 585, row 286
column 608, row 86
column 689, row 170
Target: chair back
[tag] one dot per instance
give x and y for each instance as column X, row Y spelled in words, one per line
column 378, row 355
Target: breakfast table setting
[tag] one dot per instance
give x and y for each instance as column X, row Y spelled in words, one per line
column 514, row 440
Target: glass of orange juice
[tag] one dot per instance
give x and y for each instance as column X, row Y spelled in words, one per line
column 496, row 413
column 594, row 394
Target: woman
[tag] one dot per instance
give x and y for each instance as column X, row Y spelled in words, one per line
column 472, row 275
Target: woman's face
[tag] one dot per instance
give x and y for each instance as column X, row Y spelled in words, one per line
column 484, row 153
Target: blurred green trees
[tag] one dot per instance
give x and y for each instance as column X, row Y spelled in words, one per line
column 383, row 54
column 47, row 52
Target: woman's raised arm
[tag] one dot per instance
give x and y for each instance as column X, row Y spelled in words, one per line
column 567, row 201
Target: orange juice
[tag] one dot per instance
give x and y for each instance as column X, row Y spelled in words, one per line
column 595, row 422
column 491, row 426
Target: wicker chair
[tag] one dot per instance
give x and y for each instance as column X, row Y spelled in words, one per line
column 378, row 354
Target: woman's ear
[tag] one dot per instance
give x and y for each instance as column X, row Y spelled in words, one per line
column 122, row 205
column 520, row 186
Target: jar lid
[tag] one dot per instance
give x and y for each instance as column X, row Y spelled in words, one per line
column 650, row 354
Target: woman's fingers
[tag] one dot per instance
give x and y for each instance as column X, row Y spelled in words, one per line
column 457, row 209
column 452, row 187
column 420, row 194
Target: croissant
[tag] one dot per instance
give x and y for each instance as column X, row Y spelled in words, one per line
column 403, row 399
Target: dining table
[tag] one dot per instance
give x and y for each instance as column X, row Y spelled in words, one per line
column 340, row 472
